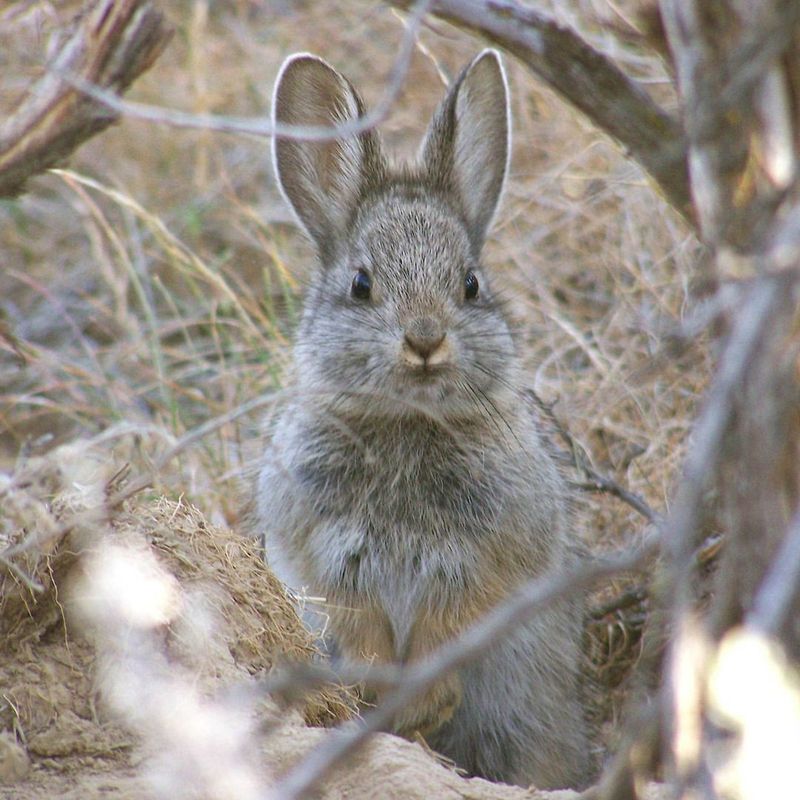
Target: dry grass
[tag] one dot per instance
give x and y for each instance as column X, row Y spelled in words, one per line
column 156, row 281
column 229, row 601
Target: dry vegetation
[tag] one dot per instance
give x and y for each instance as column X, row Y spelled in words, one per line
column 153, row 284
column 156, row 282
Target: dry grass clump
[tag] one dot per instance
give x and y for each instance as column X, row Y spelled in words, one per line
column 150, row 594
column 226, row 572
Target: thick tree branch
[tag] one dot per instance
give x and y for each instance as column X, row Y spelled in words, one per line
column 111, row 46
column 589, row 80
column 712, row 426
column 736, row 110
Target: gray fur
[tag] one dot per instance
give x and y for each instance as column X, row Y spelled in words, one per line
column 405, row 480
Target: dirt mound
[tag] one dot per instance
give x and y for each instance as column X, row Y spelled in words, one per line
column 132, row 645
column 152, row 593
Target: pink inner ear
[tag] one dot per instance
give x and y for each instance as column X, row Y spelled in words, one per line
column 481, row 140
column 320, row 179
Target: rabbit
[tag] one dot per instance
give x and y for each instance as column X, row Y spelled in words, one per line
column 406, row 480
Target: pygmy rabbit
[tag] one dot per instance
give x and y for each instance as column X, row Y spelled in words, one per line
column 406, row 480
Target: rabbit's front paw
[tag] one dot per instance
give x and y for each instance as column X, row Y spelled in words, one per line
column 430, row 711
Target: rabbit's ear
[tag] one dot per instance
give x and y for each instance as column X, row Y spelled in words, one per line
column 467, row 145
column 322, row 180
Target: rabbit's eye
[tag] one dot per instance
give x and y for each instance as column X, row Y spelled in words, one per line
column 470, row 285
column 361, row 286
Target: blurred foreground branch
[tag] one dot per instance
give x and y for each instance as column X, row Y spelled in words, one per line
column 474, row 642
column 742, row 125
column 113, row 43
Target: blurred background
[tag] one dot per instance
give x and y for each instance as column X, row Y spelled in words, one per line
column 155, row 282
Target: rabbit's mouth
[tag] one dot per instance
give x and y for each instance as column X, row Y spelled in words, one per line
column 427, row 384
column 426, row 369
column 426, row 374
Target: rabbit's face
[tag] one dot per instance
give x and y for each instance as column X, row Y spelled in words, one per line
column 404, row 321
column 401, row 318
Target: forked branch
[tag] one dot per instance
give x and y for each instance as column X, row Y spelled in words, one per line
column 111, row 46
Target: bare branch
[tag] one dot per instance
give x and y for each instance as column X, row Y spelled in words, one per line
column 779, row 592
column 265, row 127
column 589, row 80
column 718, row 144
column 770, row 29
column 595, row 482
column 725, row 59
column 114, row 43
column 712, row 425
column 689, row 641
column 600, row 483
column 475, row 641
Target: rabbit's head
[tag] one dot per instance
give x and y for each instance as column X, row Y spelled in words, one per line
column 401, row 317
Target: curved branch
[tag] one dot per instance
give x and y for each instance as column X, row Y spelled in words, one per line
column 589, row 80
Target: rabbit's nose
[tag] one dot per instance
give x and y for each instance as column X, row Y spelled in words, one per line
column 424, row 336
column 424, row 346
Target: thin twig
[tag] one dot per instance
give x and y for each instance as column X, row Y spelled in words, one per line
column 618, row 781
column 299, row 678
column 630, row 597
column 264, row 127
column 600, row 483
column 23, row 576
column 595, row 481
column 638, row 594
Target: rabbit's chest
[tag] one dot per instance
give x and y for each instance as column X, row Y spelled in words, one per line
column 384, row 565
column 423, row 484
column 411, row 528
column 407, row 529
